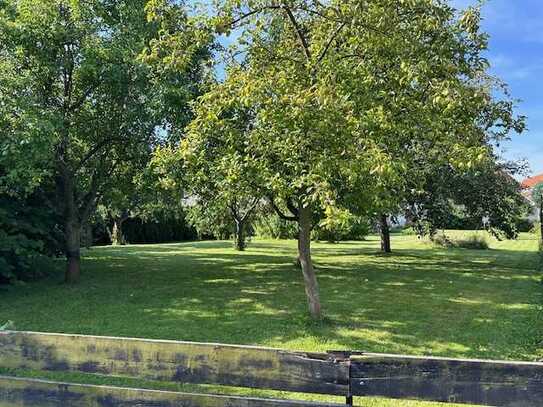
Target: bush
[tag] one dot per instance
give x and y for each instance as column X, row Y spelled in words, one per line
column 473, row 242
column 162, row 228
column 409, row 231
column 271, row 226
column 441, row 239
column 29, row 237
column 352, row 228
column 338, row 227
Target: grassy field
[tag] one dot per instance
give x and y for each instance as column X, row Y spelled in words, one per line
column 420, row 300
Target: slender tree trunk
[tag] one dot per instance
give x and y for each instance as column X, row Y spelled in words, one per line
column 304, row 255
column 73, row 251
column 385, row 234
column 117, row 236
column 72, row 228
column 240, row 235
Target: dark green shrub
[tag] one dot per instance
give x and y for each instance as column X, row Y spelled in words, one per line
column 525, row 225
column 29, row 237
column 162, row 227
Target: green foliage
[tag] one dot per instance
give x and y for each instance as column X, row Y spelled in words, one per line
column 441, row 239
column 9, row 325
column 342, row 225
column 472, row 241
column 210, row 221
column 162, row 227
column 537, row 194
column 342, row 115
column 29, row 236
column 526, row 225
column 219, row 170
column 74, row 86
column 84, row 104
column 271, row 226
column 486, row 196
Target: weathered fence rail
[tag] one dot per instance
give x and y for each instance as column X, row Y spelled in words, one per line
column 335, row 373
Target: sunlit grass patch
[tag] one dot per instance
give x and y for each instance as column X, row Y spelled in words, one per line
column 420, row 300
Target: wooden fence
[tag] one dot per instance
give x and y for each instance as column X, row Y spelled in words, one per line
column 345, row 374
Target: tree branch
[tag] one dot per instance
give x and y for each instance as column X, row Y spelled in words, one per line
column 91, row 153
column 291, row 207
column 251, row 13
column 251, row 208
column 299, row 32
column 280, row 213
column 84, row 97
column 330, row 41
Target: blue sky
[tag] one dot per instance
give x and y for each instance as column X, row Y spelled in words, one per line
column 516, row 56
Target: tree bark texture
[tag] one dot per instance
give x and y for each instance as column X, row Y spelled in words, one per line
column 73, row 251
column 72, row 229
column 240, row 243
column 304, row 255
column 384, row 231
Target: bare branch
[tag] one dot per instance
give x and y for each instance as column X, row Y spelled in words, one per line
column 251, row 13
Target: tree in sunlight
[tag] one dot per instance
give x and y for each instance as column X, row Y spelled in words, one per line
column 78, row 102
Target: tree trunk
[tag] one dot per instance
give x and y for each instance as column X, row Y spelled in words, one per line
column 117, row 236
column 240, row 235
column 304, row 255
column 73, row 251
column 385, row 234
column 72, row 227
column 86, row 235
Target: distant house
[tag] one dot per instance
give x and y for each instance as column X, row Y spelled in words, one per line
column 527, row 186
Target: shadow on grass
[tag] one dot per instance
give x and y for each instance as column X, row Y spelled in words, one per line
column 418, row 300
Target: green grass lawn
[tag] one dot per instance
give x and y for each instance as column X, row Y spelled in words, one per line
column 421, row 300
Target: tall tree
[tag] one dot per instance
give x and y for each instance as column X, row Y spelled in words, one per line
column 346, row 96
column 78, row 100
column 220, row 172
column 487, row 194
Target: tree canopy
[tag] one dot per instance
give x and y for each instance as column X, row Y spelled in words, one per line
column 346, row 98
column 78, row 101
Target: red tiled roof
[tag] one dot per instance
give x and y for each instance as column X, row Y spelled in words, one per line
column 532, row 181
